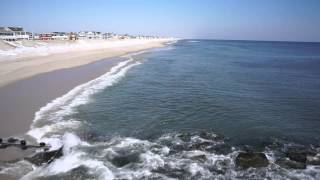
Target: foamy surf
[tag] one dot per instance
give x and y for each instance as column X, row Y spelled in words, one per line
column 49, row 117
column 51, row 123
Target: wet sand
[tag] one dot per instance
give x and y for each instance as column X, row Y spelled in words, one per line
column 20, row 100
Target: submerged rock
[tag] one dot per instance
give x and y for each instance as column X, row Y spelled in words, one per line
column 222, row 148
column 288, row 164
column 200, row 158
column 211, row 136
column 200, row 145
column 77, row 173
column 186, row 137
column 251, row 159
column 45, row 157
column 121, row 161
column 172, row 172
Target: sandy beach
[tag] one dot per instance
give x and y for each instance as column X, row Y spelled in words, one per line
column 33, row 58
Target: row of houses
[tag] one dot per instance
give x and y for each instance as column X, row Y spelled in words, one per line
column 13, row 33
column 18, row 33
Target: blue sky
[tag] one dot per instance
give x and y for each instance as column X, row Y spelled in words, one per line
column 288, row 20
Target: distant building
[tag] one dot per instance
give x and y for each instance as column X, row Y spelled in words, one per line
column 107, row 36
column 60, row 36
column 90, row 35
column 46, row 36
column 73, row 36
column 13, row 33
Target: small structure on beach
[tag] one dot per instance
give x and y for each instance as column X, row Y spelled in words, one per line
column 13, row 33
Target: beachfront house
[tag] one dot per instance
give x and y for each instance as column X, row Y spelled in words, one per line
column 13, row 33
column 109, row 36
column 60, row 36
column 73, row 36
column 46, row 36
column 90, row 35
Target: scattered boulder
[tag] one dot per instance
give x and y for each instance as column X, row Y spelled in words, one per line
column 288, row 164
column 251, row 159
column 186, row 137
column 200, row 158
column 297, row 154
column 200, row 145
column 45, row 157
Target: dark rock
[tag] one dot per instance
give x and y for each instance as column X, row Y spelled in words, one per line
column 251, row 159
column 186, row 137
column 121, row 161
column 208, row 135
column 313, row 161
column 12, row 140
column 77, row 173
column 297, row 154
column 42, row 144
column 178, row 148
column 288, row 164
column 201, row 158
column 175, row 172
column 23, row 143
column 45, row 157
column 200, row 146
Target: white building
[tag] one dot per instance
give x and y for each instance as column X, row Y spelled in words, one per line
column 13, row 33
column 89, row 35
column 60, row 36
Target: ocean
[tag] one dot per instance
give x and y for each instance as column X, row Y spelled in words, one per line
column 185, row 111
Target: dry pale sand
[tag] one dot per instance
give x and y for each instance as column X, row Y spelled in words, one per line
column 27, row 64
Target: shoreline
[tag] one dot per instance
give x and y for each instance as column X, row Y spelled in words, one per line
column 22, row 98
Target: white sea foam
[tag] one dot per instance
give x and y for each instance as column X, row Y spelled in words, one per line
column 73, row 158
column 50, row 117
column 50, row 124
column 193, row 41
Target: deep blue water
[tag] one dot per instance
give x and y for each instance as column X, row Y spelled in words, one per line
column 251, row 92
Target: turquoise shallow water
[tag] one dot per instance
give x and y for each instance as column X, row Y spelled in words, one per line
column 185, row 112
column 251, row 92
